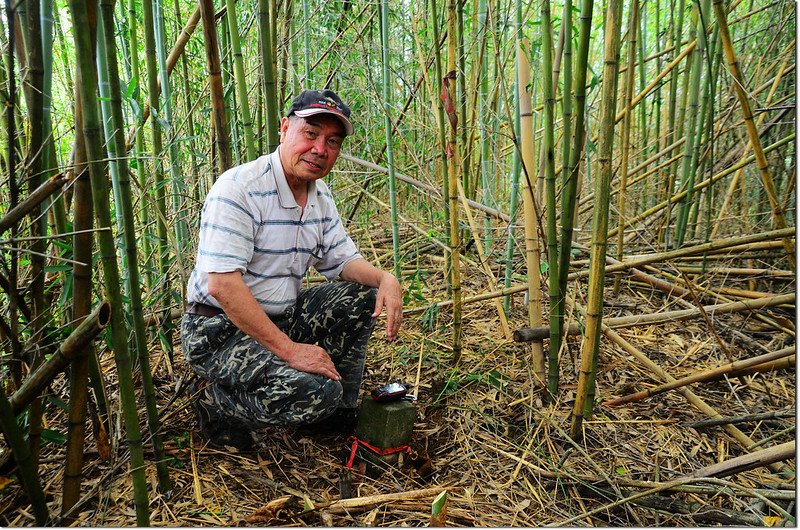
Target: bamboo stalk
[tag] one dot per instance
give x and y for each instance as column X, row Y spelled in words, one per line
column 699, row 377
column 74, row 345
column 531, row 233
column 692, row 251
column 451, row 105
column 34, row 199
column 732, row 420
column 538, row 333
column 22, row 455
column 734, row 466
column 220, row 119
column 590, row 346
column 752, row 131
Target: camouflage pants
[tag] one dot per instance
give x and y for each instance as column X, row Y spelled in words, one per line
column 249, row 383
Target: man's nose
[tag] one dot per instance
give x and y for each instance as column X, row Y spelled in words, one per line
column 320, row 147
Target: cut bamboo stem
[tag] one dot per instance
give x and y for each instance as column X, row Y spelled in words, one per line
column 72, row 346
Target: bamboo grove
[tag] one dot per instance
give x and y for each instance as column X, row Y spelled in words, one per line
column 502, row 136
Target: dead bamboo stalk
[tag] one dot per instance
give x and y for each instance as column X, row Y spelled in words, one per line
column 704, row 424
column 501, row 314
column 18, row 212
column 701, row 185
column 761, row 458
column 363, row 503
column 752, row 130
column 741, row 438
column 692, row 251
column 699, row 376
column 73, row 345
column 538, row 333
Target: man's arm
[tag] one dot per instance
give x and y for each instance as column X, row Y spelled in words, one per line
column 390, row 295
column 235, row 298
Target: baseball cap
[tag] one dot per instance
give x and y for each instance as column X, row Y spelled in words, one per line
column 311, row 102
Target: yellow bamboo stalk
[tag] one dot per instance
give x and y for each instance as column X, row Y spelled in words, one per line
column 479, row 247
column 735, row 180
column 449, row 91
column 633, row 22
column 752, row 130
column 532, row 252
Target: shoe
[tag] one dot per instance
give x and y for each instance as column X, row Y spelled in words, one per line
column 342, row 421
column 215, row 428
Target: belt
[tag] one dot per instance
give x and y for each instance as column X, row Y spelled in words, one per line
column 203, row 310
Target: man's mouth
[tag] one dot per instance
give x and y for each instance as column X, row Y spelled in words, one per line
column 313, row 165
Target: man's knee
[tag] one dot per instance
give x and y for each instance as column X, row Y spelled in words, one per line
column 306, row 400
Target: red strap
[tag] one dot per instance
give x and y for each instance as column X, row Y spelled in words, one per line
column 380, row 452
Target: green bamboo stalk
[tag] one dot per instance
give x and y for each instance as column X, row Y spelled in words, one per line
column 570, row 176
column 159, row 184
column 177, row 185
column 220, row 119
column 268, row 75
column 590, row 346
column 516, row 165
column 125, row 206
column 26, row 467
column 138, row 149
column 693, row 127
column 119, row 333
column 241, row 81
column 550, row 194
column 387, row 122
column 187, row 104
column 633, row 24
column 454, row 165
column 483, row 107
column 34, row 168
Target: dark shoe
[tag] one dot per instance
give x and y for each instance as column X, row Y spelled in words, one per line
column 216, row 428
column 342, row 421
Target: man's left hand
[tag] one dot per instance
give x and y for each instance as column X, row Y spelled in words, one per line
column 390, row 296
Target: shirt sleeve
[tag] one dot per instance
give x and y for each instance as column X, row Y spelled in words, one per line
column 226, row 229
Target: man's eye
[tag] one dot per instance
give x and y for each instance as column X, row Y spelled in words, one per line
column 334, row 144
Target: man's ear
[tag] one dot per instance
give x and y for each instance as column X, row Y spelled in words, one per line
column 284, row 126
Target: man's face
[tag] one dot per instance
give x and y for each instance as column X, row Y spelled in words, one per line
column 310, row 146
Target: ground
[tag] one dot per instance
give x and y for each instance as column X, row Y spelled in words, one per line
column 499, row 450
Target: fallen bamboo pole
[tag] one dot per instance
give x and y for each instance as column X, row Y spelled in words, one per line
column 539, row 333
column 363, row 503
column 700, row 376
column 692, row 251
column 731, row 420
column 73, row 345
column 761, row 458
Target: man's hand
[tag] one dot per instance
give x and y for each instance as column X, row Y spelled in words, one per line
column 312, row 359
column 390, row 296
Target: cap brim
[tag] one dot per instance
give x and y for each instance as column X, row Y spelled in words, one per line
column 348, row 127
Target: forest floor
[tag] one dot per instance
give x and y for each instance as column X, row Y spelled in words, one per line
column 502, row 454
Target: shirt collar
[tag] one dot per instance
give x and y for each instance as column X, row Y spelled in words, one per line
column 285, row 195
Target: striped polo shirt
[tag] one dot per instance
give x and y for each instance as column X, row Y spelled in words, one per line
column 251, row 223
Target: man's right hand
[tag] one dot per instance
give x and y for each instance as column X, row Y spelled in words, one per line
column 312, row 359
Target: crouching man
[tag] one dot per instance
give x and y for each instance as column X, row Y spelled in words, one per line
column 267, row 351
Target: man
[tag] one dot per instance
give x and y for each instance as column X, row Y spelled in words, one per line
column 269, row 352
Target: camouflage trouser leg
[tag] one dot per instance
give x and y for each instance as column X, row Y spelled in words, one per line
column 253, row 385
